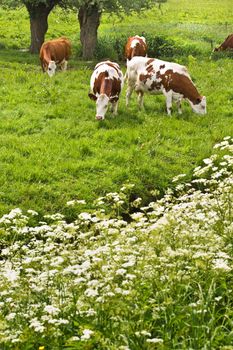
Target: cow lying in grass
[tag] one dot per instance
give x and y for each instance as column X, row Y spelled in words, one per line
column 106, row 85
column 55, row 53
column 156, row 76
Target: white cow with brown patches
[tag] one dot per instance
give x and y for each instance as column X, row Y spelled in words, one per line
column 135, row 46
column 106, row 85
column 157, row 76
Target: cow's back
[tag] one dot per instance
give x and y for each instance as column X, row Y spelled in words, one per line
column 107, row 77
column 56, row 50
column 228, row 43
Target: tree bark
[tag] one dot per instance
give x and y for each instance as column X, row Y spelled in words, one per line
column 39, row 22
column 89, row 21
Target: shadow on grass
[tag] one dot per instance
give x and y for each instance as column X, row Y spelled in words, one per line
column 18, row 56
column 124, row 119
column 132, row 117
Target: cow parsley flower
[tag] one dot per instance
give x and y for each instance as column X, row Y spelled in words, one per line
column 38, row 327
column 120, row 272
column 11, row 316
column 178, row 177
column 91, row 292
column 155, row 340
column 87, row 333
column 221, row 264
column 85, row 216
column 52, row 310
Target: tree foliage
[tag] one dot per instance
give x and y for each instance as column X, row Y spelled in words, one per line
column 35, row 3
column 117, row 6
column 89, row 15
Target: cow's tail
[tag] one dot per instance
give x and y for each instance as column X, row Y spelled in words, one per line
column 126, row 76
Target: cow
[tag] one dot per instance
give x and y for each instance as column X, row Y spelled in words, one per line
column 105, row 87
column 157, row 76
column 226, row 45
column 55, row 53
column 135, row 46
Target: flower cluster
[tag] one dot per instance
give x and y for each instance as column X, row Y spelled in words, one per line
column 113, row 284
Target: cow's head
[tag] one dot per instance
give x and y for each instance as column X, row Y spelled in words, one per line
column 51, row 68
column 218, row 49
column 101, row 105
column 199, row 106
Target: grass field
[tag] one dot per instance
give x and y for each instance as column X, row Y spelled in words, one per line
column 122, row 273
column 53, row 150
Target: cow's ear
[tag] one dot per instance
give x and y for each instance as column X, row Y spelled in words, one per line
column 92, row 96
column 114, row 99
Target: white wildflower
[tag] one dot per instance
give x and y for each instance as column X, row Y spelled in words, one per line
column 38, row 327
column 91, row 292
column 32, row 212
column 74, row 338
column 85, row 216
column 221, row 264
column 11, row 275
column 178, row 177
column 120, row 272
column 207, row 161
column 218, row 298
column 52, row 310
column 137, row 216
column 87, row 333
column 75, row 201
column 146, row 333
column 155, row 340
column 137, row 202
column 11, row 316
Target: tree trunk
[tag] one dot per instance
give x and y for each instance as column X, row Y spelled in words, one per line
column 89, row 20
column 38, row 27
column 39, row 22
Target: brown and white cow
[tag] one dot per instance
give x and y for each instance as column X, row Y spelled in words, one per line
column 226, row 45
column 106, row 85
column 135, row 46
column 156, row 76
column 55, row 53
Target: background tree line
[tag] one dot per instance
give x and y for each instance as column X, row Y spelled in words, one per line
column 89, row 17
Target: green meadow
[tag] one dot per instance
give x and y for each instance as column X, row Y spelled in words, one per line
column 52, row 148
column 116, row 234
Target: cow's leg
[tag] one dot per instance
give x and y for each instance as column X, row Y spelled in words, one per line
column 140, row 99
column 129, row 92
column 168, row 96
column 64, row 65
column 178, row 103
column 114, row 107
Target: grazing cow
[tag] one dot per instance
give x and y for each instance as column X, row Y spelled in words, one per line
column 226, row 45
column 106, row 85
column 171, row 79
column 135, row 46
column 55, row 53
